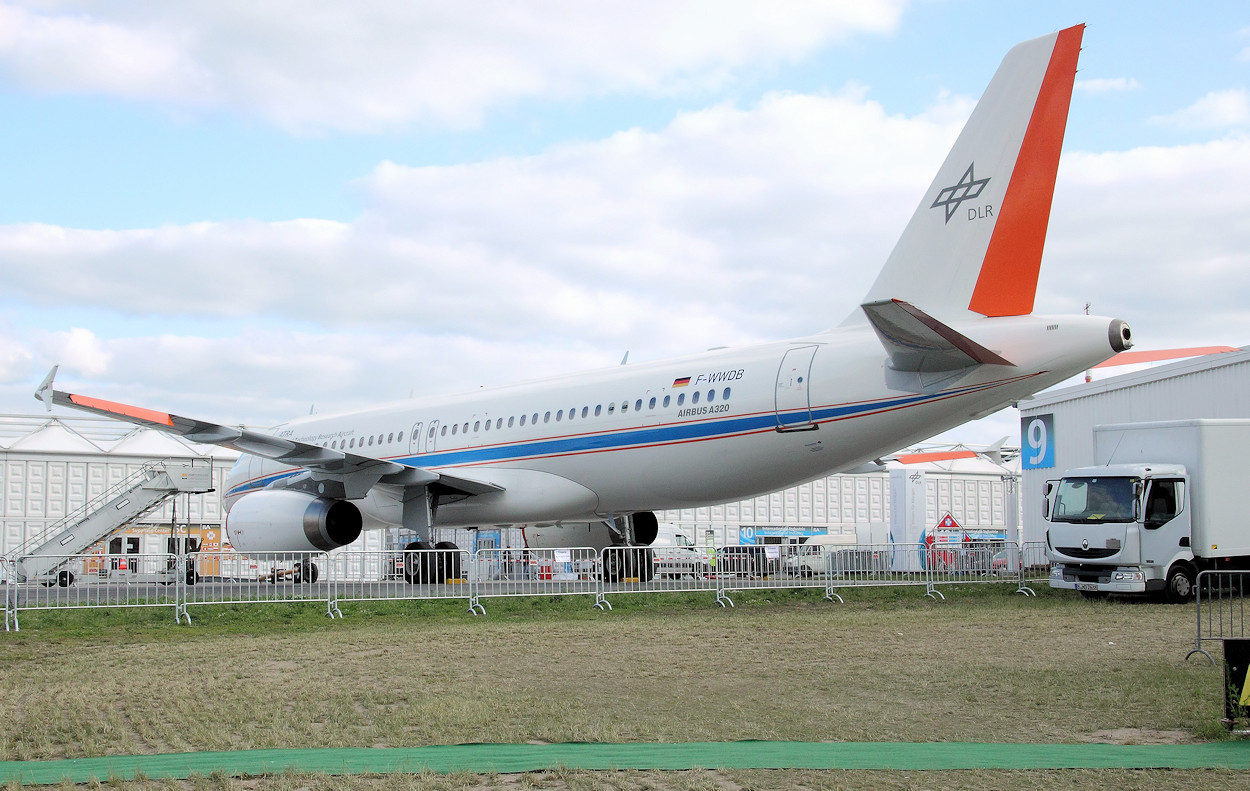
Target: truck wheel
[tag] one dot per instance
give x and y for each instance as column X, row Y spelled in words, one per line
column 65, row 579
column 1179, row 587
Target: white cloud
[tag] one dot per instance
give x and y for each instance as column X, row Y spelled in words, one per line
column 1217, row 110
column 78, row 351
column 729, row 226
column 1107, row 85
column 16, row 359
column 701, row 234
column 380, row 64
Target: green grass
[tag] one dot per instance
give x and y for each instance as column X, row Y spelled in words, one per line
column 888, row 665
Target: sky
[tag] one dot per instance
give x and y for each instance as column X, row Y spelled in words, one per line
column 244, row 212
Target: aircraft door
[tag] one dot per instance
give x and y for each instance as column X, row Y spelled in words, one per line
column 431, row 437
column 415, row 439
column 794, row 405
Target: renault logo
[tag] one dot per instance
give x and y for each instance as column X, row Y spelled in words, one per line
column 1084, row 543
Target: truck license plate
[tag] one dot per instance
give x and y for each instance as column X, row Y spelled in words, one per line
column 1087, row 586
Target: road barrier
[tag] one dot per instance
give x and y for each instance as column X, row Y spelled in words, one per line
column 254, row 578
column 1220, row 605
column 183, row 582
column 91, row 581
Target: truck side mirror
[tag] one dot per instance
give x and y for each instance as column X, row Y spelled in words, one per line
column 1047, row 488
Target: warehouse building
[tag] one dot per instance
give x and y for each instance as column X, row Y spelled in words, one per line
column 1057, row 428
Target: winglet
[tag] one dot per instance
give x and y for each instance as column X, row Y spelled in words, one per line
column 44, row 393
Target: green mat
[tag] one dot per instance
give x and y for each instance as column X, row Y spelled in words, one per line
column 483, row 758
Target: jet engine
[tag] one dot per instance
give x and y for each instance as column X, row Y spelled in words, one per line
column 291, row 521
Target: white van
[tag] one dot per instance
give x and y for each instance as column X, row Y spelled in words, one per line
column 811, row 557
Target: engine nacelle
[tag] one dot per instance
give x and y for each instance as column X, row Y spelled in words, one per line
column 291, row 521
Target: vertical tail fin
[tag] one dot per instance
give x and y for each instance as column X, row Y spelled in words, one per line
column 974, row 245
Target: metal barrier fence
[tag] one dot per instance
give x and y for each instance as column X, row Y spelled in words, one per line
column 393, row 575
column 205, row 578
column 1220, row 602
column 93, row 580
column 258, row 577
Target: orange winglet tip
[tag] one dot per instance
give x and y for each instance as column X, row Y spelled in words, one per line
column 124, row 410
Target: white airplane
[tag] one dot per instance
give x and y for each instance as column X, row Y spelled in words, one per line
column 945, row 335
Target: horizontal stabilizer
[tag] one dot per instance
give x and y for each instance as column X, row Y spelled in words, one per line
column 918, row 343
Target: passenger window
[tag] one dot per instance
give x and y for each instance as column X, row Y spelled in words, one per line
column 666, row 400
column 444, row 431
column 509, row 421
column 477, row 425
column 547, row 416
column 681, row 399
column 390, row 437
column 560, row 416
column 694, row 399
column 598, row 409
column 638, row 405
column 612, row 408
column 523, row 418
column 534, row 418
column 725, row 395
column 432, row 431
column 711, row 396
column 585, row 411
column 651, row 403
column 455, row 429
column 624, row 406
column 488, row 425
column 400, row 437
column 353, row 443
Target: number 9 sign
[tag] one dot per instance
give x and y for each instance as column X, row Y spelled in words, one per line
column 1037, row 442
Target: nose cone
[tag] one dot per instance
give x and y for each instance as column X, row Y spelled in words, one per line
column 1120, row 336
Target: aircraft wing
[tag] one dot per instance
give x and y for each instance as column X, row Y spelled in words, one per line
column 918, row 343
column 323, row 464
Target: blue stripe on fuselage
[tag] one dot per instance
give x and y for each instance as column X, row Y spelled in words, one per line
column 654, row 435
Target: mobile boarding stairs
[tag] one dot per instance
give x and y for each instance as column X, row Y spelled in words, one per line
column 40, row 559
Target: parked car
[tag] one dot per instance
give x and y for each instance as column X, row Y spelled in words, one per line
column 672, row 561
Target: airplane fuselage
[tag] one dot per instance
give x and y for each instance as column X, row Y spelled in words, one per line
column 709, row 428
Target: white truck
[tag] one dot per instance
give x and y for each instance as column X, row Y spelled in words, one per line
column 1163, row 503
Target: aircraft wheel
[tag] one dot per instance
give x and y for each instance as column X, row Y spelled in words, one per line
column 644, row 560
column 448, row 566
column 416, row 562
column 613, row 560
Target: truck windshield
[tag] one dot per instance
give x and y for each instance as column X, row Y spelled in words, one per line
column 1094, row 500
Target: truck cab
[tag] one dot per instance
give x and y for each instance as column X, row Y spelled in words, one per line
column 1121, row 528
